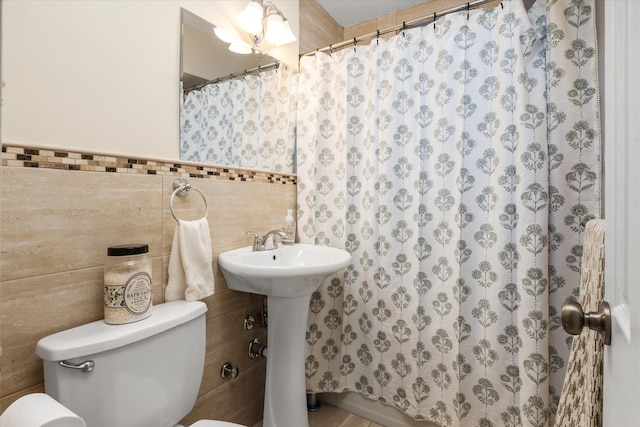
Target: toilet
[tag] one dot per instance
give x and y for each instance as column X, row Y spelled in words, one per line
column 142, row 374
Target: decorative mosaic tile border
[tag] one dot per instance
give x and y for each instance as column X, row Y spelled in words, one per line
column 33, row 157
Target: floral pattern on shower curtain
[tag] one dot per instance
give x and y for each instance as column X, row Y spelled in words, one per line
column 248, row 121
column 456, row 163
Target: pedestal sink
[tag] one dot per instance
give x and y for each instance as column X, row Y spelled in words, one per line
column 288, row 275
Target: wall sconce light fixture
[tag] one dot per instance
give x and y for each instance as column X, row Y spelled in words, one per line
column 264, row 21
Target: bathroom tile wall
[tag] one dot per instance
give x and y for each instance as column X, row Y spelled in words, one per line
column 60, row 210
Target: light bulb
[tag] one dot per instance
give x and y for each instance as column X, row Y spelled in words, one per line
column 225, row 36
column 275, row 29
column 250, row 19
column 288, row 36
column 240, row 47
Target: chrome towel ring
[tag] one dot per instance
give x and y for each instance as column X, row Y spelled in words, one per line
column 182, row 188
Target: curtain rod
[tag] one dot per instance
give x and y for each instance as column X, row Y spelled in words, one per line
column 398, row 27
column 259, row 69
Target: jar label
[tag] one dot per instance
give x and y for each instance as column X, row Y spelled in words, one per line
column 137, row 293
column 113, row 296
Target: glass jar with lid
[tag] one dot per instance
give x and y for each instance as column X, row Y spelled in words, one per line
column 127, row 284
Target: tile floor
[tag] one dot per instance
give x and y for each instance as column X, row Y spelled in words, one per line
column 330, row 416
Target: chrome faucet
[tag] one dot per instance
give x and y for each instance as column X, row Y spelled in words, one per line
column 260, row 242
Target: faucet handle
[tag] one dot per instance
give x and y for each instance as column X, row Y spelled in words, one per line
column 257, row 239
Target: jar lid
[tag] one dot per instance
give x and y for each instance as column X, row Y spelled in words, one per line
column 123, row 250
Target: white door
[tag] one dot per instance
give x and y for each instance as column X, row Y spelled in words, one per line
column 622, row 211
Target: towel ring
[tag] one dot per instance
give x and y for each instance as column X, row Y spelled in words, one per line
column 181, row 188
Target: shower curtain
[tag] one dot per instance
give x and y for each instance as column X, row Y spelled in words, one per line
column 456, row 162
column 247, row 121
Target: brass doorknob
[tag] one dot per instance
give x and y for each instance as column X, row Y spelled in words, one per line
column 574, row 319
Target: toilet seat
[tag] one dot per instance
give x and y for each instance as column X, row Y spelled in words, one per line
column 212, row 423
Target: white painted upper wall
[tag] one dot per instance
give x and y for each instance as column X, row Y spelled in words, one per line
column 102, row 76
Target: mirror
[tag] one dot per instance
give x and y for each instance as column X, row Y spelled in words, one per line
column 235, row 109
column 205, row 57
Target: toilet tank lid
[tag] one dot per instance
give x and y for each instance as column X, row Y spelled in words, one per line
column 99, row 336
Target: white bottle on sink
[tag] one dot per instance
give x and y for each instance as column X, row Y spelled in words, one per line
column 289, row 228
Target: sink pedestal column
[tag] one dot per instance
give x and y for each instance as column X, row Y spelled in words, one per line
column 285, row 392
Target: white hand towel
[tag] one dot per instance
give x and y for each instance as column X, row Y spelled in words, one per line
column 190, row 262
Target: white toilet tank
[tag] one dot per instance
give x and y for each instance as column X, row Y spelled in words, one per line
column 145, row 374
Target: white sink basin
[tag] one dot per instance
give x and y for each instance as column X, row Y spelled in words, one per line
column 289, row 271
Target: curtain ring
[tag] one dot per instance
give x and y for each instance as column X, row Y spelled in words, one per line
column 434, row 20
column 355, row 44
column 502, row 5
column 378, row 37
column 468, row 7
column 330, row 50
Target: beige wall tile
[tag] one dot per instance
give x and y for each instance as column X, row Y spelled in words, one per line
column 239, row 400
column 235, row 207
column 386, row 21
column 228, row 341
column 35, row 307
column 320, row 29
column 55, row 221
column 56, row 226
column 360, row 29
